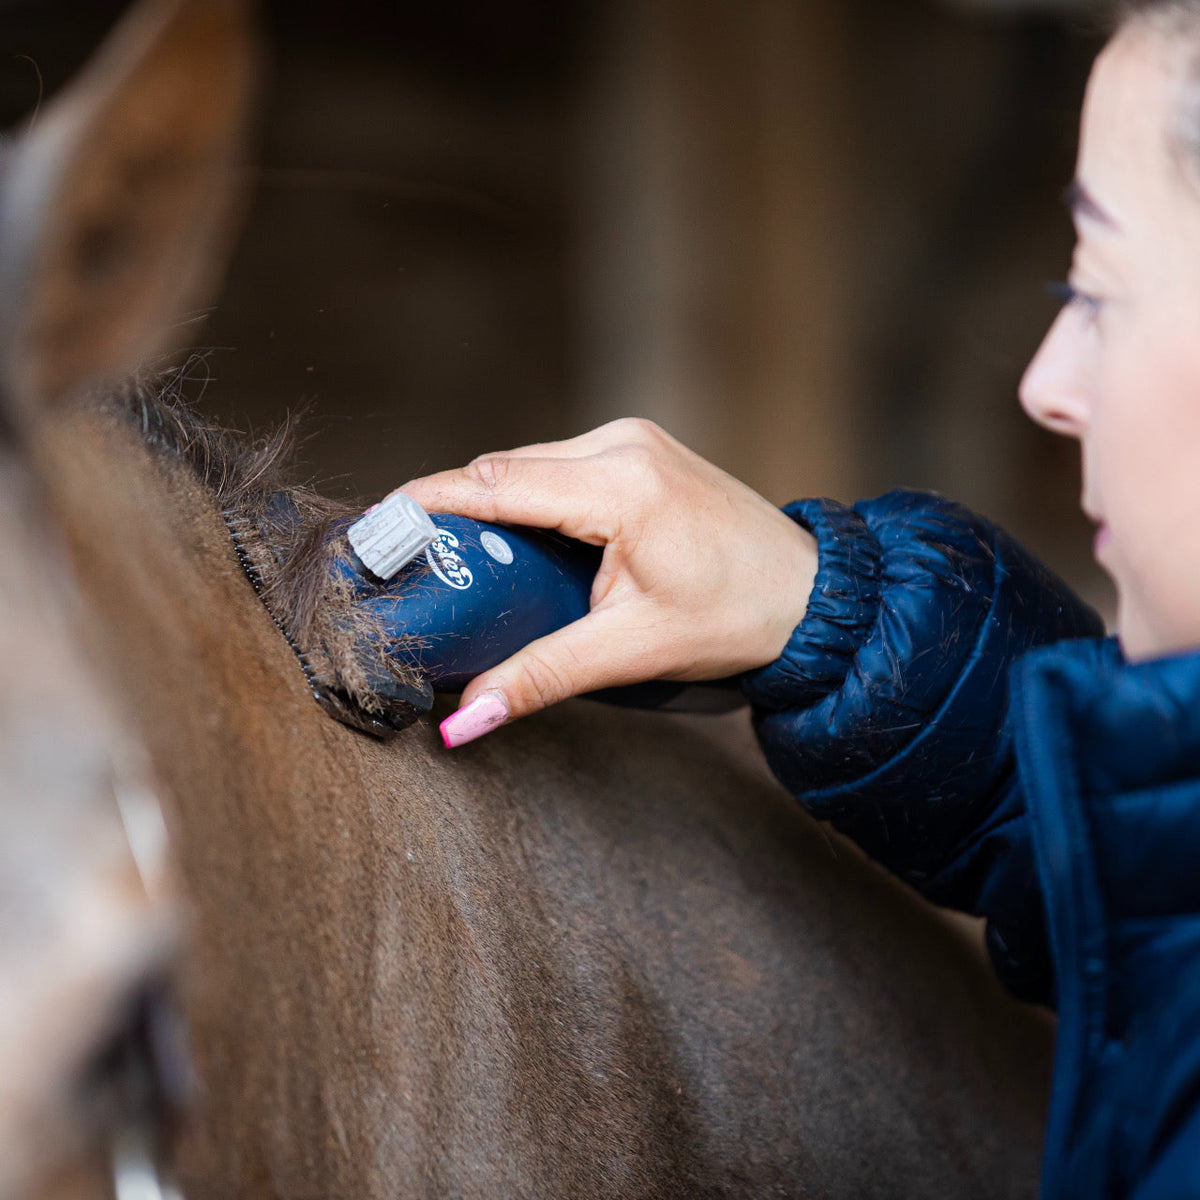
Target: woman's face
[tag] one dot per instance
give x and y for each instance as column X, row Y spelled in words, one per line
column 1120, row 367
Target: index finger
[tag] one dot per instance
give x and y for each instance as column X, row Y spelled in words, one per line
column 563, row 494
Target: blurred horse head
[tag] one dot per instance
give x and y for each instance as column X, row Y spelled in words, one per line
column 113, row 214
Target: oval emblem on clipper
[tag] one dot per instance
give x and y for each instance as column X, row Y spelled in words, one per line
column 447, row 564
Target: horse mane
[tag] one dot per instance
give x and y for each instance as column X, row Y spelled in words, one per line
column 286, row 532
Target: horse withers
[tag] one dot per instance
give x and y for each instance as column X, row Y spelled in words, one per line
column 599, row 954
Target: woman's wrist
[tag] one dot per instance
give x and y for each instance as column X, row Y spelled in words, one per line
column 798, row 563
column 840, row 607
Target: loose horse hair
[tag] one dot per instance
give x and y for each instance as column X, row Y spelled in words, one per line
column 287, row 532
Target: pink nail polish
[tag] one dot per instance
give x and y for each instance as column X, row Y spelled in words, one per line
column 481, row 716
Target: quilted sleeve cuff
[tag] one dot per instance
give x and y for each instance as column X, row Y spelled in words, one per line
column 841, row 611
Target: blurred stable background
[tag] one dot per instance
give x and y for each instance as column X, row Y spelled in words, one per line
column 809, row 237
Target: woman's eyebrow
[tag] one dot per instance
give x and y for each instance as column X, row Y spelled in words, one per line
column 1081, row 203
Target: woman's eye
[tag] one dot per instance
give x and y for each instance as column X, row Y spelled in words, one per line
column 1069, row 296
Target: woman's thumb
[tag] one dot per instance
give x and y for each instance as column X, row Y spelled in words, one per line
column 582, row 657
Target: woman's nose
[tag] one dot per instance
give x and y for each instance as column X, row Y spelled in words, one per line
column 1054, row 388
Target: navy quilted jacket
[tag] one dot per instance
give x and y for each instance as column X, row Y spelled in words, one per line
column 1054, row 791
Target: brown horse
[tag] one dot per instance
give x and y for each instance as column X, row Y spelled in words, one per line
column 599, row 954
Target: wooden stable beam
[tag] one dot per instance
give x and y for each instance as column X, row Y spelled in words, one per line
column 717, row 235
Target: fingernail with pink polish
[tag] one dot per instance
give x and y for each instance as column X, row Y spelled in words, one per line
column 481, row 716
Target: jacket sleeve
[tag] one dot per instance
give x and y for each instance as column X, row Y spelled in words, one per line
column 886, row 712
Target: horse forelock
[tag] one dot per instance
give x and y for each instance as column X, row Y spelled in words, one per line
column 287, row 532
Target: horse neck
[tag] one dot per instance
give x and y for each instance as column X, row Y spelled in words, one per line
column 428, row 974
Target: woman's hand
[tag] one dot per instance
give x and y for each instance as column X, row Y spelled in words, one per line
column 701, row 577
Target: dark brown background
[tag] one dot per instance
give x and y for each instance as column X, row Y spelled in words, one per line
column 808, row 236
